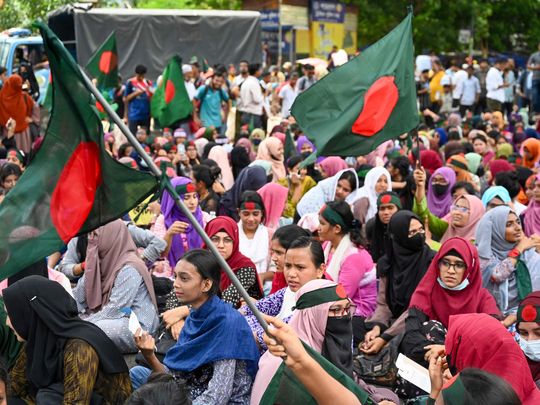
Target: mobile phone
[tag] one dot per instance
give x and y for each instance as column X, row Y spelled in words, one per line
column 181, row 148
column 134, row 324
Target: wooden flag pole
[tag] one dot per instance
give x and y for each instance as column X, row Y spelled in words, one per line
column 179, row 203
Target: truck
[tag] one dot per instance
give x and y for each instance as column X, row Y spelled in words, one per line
column 143, row 36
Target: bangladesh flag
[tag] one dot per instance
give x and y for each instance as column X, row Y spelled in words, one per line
column 72, row 185
column 285, row 388
column 364, row 102
column 170, row 102
column 103, row 65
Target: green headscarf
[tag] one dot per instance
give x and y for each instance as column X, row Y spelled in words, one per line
column 504, row 150
column 473, row 161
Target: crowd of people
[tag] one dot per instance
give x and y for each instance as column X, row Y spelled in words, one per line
column 428, row 247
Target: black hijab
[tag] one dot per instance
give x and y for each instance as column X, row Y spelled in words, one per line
column 239, row 160
column 39, row 268
column 46, row 316
column 405, row 262
column 337, row 343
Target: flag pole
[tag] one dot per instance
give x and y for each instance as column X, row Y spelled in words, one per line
column 179, row 203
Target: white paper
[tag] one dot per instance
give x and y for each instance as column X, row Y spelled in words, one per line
column 134, row 324
column 413, row 372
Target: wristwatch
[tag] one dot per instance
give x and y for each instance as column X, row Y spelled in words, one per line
column 514, row 253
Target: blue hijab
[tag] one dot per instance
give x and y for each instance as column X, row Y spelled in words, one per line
column 214, row 332
column 495, row 191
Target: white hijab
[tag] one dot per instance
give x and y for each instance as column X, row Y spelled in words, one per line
column 257, row 248
column 368, row 191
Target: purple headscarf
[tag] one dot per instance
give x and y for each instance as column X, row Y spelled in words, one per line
column 172, row 213
column 440, row 205
column 302, row 139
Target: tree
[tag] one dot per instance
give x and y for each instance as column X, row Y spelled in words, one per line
column 195, row 4
column 21, row 13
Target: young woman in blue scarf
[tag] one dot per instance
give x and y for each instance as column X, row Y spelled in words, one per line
column 216, row 354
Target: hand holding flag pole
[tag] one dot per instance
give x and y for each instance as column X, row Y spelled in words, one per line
column 179, row 203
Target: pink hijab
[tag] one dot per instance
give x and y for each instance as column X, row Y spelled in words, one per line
column 274, row 197
column 280, row 135
column 531, row 216
column 248, row 146
column 309, row 324
column 268, row 149
column 333, row 164
column 377, row 156
column 110, row 249
column 467, row 232
column 218, row 155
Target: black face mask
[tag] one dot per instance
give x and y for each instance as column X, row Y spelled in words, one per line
column 439, row 189
column 256, row 141
column 337, row 345
column 417, row 242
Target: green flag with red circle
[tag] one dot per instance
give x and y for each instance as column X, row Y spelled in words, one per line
column 72, row 185
column 170, row 102
column 103, row 65
column 368, row 100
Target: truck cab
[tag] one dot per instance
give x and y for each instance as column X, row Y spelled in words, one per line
column 17, row 43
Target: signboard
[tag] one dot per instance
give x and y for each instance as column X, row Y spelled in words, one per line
column 296, row 16
column 327, row 11
column 464, row 36
column 269, row 19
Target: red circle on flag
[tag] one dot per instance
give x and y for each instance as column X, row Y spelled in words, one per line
column 379, row 102
column 169, row 91
column 107, row 62
column 529, row 313
column 75, row 191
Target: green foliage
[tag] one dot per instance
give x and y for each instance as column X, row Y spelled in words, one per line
column 195, row 4
column 21, row 13
column 497, row 23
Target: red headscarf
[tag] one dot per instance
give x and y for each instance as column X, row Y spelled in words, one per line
column 531, row 299
column 430, row 160
column 439, row 303
column 499, row 165
column 481, row 341
column 237, row 260
column 14, row 103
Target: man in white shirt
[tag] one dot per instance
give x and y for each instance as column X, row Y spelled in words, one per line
column 187, row 70
column 457, row 76
column 470, row 92
column 287, row 95
column 495, row 86
column 251, row 94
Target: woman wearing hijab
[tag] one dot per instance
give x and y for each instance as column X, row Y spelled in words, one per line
column 439, row 192
column 399, row 272
column 451, row 286
column 17, row 105
column 271, row 150
column 480, row 341
column 297, row 182
column 223, row 233
column 339, row 187
column 322, row 320
column 331, row 165
column 377, row 181
column 459, row 164
column 430, row 160
column 218, row 154
column 528, row 329
column 215, row 354
column 116, row 278
column 248, row 146
column 462, row 218
column 251, row 178
column 495, row 196
column 531, row 216
column 256, row 137
column 180, row 235
column 498, row 165
column 507, row 258
column 530, row 150
column 303, row 144
column 274, row 197
column 239, row 159
column 65, row 359
column 388, row 203
column 347, row 261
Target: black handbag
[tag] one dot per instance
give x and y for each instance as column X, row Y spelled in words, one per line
column 380, row 368
column 164, row 341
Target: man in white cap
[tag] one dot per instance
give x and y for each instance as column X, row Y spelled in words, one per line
column 187, row 70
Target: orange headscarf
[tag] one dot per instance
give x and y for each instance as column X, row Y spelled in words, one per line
column 14, row 103
column 533, row 146
column 459, row 164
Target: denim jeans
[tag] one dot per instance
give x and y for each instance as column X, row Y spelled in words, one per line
column 139, row 376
